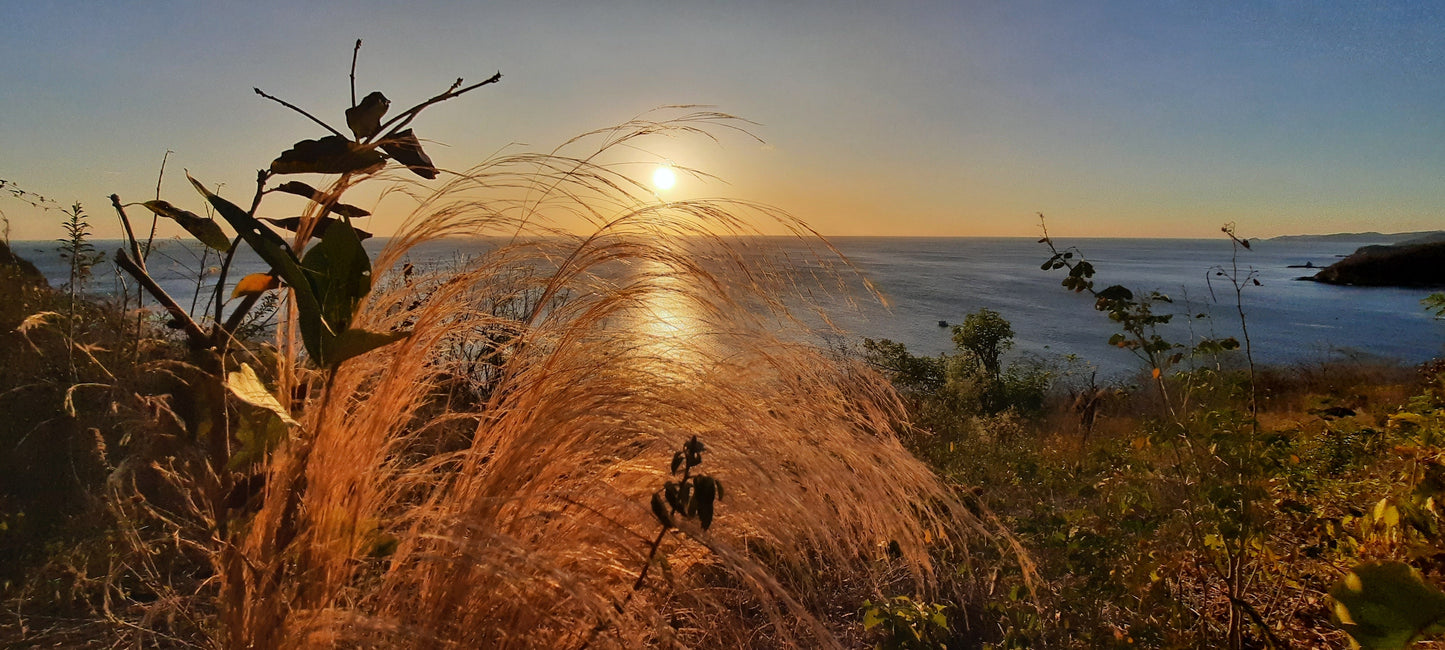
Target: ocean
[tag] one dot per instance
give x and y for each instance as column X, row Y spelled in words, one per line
column 927, row 280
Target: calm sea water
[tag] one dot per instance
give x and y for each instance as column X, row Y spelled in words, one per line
column 926, row 280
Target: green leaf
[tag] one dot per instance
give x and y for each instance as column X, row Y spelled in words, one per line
column 262, row 428
column 303, row 190
column 340, row 273
column 276, row 253
column 406, row 149
column 246, row 386
column 203, row 229
column 356, row 342
column 871, row 619
column 258, row 431
column 365, row 118
column 319, row 230
column 332, row 154
column 1387, row 605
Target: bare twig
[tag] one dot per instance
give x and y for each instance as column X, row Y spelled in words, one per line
column 400, row 121
column 155, row 217
column 354, row 52
column 129, row 234
column 192, row 330
column 293, row 107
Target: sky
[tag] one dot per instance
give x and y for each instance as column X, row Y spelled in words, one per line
column 1113, row 118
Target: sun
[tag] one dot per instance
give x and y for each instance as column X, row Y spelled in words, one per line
column 663, row 178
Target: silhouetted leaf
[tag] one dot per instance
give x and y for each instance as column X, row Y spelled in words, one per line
column 255, row 284
column 1387, row 605
column 1116, row 292
column 356, row 342
column 365, row 118
column 705, row 494
column 277, row 254
column 670, row 491
column 677, row 460
column 303, row 190
column 332, row 154
column 693, row 452
column 319, row 230
column 659, row 510
column 206, row 230
column 406, row 149
column 1244, row 243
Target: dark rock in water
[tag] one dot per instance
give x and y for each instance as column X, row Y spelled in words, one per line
column 1411, row 265
column 1306, row 265
column 14, row 268
column 943, row 323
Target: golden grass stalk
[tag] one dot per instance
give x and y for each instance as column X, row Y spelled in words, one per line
column 485, row 483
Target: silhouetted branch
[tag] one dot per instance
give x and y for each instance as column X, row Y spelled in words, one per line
column 129, row 234
column 193, row 331
column 354, row 52
column 160, row 176
column 293, row 107
column 400, row 121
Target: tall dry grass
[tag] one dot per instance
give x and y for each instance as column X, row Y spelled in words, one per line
column 485, row 483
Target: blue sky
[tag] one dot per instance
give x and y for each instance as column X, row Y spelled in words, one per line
column 958, row 118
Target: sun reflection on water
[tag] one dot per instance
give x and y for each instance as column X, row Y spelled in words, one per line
column 668, row 320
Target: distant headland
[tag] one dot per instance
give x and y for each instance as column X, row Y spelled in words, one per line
column 1424, row 236
column 1415, row 259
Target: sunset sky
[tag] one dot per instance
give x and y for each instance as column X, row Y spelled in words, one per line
column 1146, row 118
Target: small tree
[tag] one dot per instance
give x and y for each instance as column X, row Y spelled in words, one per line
column 987, row 335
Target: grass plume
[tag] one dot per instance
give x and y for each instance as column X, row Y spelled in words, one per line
column 485, row 483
